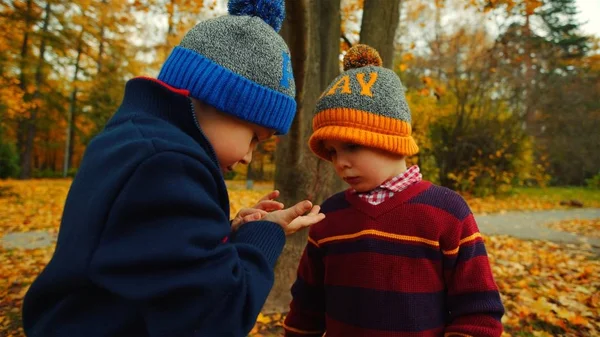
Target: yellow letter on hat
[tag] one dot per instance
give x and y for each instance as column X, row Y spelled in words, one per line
column 366, row 87
column 343, row 83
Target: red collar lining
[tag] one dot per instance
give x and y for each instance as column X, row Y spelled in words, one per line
column 173, row 89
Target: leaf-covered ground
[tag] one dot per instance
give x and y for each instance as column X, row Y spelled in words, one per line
column 527, row 199
column 548, row 289
column 589, row 228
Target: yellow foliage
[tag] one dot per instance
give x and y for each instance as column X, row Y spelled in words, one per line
column 11, row 96
column 407, row 57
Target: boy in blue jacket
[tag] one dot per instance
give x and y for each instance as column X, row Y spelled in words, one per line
column 146, row 246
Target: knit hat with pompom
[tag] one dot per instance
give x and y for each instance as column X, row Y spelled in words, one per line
column 364, row 105
column 239, row 64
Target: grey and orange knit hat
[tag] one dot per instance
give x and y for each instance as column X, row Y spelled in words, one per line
column 238, row 64
column 364, row 105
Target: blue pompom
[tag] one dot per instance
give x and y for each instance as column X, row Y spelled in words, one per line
column 271, row 11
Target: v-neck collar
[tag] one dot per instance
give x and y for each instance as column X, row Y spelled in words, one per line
column 375, row 211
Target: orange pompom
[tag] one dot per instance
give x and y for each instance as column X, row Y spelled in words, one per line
column 360, row 56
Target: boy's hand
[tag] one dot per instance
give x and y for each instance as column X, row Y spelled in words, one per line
column 265, row 204
column 292, row 219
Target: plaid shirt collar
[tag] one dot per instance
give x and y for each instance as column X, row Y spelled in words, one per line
column 386, row 190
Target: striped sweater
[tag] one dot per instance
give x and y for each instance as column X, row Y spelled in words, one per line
column 413, row 266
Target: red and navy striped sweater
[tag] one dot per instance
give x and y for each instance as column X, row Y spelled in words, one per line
column 413, row 266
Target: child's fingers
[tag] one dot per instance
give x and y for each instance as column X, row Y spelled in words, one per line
column 250, row 211
column 270, row 196
column 253, row 217
column 269, row 205
column 305, row 221
column 298, row 209
column 315, row 210
column 314, row 218
column 245, row 211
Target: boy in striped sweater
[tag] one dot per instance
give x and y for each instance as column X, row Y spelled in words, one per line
column 396, row 255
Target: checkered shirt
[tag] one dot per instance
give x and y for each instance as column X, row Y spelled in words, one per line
column 395, row 185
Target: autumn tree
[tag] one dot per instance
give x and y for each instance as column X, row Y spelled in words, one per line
column 470, row 138
column 63, row 67
column 562, row 28
column 25, row 16
column 540, row 64
column 114, row 60
column 569, row 118
column 378, row 28
column 101, row 66
column 309, row 29
column 312, row 30
column 12, row 104
column 531, row 53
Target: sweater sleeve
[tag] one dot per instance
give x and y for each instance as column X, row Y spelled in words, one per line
column 473, row 299
column 164, row 248
column 307, row 310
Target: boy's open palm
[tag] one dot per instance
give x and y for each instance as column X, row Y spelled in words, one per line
column 293, row 219
column 265, row 205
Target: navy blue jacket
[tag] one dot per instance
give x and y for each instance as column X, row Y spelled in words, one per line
column 144, row 247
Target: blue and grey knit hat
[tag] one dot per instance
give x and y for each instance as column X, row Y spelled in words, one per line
column 238, row 64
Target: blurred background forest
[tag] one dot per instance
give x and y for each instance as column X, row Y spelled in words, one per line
column 503, row 92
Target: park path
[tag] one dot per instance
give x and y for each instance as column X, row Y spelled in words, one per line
column 524, row 225
column 530, row 225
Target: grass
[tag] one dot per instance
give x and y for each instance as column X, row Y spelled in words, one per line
column 586, row 195
column 534, row 198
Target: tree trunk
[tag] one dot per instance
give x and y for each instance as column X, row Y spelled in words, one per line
column 529, row 77
column 260, row 176
column 22, row 122
column 378, row 28
column 31, row 123
column 101, row 39
column 72, row 110
column 312, row 31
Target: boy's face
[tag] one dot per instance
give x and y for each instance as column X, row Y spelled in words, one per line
column 233, row 139
column 363, row 168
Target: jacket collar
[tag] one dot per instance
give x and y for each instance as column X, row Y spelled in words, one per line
column 148, row 96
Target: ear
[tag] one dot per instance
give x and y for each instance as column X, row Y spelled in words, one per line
column 204, row 111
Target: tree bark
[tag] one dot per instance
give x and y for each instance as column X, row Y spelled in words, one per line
column 101, row 38
column 312, row 31
column 72, row 110
column 378, row 28
column 31, row 123
column 529, row 76
column 22, row 123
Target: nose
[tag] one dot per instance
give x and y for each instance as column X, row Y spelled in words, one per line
column 341, row 162
column 247, row 158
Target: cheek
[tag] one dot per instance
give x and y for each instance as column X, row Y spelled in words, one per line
column 368, row 169
column 229, row 151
